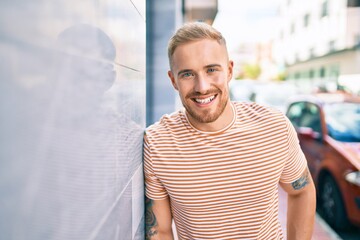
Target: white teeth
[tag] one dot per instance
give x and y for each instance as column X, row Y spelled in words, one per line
column 205, row 100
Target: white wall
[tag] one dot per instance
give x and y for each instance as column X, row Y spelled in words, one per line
column 72, row 106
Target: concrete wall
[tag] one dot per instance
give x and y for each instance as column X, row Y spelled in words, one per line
column 72, row 110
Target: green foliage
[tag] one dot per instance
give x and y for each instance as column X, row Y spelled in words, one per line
column 281, row 76
column 251, row 71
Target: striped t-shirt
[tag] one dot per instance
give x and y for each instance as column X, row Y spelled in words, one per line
column 224, row 184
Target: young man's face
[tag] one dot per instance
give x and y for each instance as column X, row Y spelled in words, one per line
column 201, row 72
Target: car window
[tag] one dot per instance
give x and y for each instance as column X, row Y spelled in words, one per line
column 294, row 113
column 343, row 121
column 305, row 114
column 310, row 117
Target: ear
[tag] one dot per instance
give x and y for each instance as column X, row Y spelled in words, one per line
column 172, row 78
column 230, row 70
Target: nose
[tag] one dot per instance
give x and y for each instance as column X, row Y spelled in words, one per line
column 202, row 84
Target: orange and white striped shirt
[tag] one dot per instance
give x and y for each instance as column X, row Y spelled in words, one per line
column 224, row 184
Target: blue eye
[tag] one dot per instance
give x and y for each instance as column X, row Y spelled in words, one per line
column 187, row 74
column 211, row 70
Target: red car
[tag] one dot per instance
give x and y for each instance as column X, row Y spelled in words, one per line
column 328, row 127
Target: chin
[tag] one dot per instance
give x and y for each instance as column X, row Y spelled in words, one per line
column 204, row 117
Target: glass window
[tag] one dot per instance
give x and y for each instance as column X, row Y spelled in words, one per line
column 311, row 73
column 294, row 113
column 322, row 72
column 334, row 71
column 353, row 3
column 306, row 20
column 331, row 46
column 305, row 114
column 312, row 52
column 310, row 117
column 324, row 8
column 343, row 121
column 292, row 28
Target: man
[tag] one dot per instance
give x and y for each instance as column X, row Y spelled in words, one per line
column 215, row 167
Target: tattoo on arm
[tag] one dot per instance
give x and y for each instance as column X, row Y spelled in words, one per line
column 302, row 181
column 150, row 220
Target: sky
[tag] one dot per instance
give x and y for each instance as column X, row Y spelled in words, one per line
column 244, row 21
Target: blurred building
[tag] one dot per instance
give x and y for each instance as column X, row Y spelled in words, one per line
column 319, row 41
column 200, row 10
column 269, row 70
column 255, row 55
column 163, row 17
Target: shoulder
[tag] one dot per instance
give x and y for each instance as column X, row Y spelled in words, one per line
column 167, row 125
column 258, row 112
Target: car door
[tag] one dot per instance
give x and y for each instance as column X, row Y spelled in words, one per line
column 306, row 118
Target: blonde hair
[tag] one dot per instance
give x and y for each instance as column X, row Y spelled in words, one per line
column 191, row 32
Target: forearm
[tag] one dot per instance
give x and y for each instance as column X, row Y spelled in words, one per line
column 157, row 220
column 164, row 235
column 154, row 233
column 301, row 215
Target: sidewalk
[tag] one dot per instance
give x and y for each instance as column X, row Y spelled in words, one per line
column 322, row 231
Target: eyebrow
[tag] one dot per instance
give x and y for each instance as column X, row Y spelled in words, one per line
column 212, row 65
column 184, row 71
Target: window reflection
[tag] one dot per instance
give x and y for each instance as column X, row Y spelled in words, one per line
column 343, row 121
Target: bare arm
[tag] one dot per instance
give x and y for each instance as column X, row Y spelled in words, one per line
column 158, row 220
column 301, row 207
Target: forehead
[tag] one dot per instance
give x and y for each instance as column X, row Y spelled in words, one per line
column 199, row 53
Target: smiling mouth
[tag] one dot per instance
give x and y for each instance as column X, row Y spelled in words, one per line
column 204, row 100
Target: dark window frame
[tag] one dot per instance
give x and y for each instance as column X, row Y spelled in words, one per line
column 325, row 9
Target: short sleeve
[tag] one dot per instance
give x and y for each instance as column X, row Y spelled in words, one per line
column 154, row 189
column 296, row 163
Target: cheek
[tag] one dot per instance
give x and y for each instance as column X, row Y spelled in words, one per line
column 220, row 79
column 182, row 90
column 185, row 86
